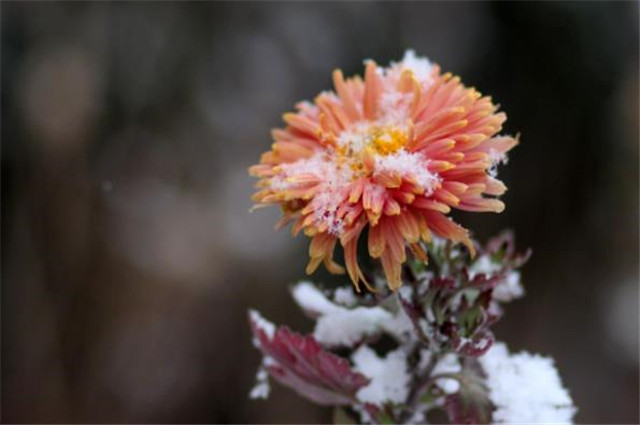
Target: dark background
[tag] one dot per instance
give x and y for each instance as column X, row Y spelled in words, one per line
column 129, row 257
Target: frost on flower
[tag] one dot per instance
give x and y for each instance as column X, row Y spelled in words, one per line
column 393, row 153
column 525, row 388
column 389, row 376
column 389, row 156
column 410, row 166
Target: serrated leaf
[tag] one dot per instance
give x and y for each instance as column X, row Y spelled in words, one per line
column 300, row 363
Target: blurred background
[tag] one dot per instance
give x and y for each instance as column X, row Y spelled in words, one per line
column 129, row 256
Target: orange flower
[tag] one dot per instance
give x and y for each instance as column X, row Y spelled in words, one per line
column 393, row 153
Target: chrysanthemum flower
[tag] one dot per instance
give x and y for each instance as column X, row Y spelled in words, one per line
column 393, row 153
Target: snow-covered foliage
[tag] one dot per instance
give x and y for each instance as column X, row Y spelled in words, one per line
column 341, row 326
column 383, row 160
column 525, row 388
column 442, row 353
column 389, row 376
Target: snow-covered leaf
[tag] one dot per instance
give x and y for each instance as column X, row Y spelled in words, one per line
column 300, row 363
column 525, row 388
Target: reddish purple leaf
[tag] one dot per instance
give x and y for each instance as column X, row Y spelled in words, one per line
column 301, row 364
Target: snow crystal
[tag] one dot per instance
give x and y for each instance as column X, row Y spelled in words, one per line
column 410, row 165
column 318, row 165
column 262, row 323
column 333, row 178
column 525, row 388
column 449, row 363
column 325, row 209
column 357, row 136
column 420, row 66
column 509, row 289
column 496, row 159
column 389, row 376
column 394, row 107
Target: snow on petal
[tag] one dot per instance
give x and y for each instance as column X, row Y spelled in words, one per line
column 420, row 66
column 373, row 135
column 409, row 165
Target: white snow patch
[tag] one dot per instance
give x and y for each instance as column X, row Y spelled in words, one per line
column 333, row 179
column 509, row 289
column 357, row 136
column 394, row 107
column 389, row 376
column 347, row 327
column 345, row 296
column 496, row 159
column 425, row 358
column 262, row 323
column 483, row 265
column 365, row 417
column 449, row 363
column 400, row 326
column 421, row 66
column 319, row 165
column 339, row 326
column 525, row 388
column 325, row 209
column 312, row 299
column 409, row 165
column 262, row 388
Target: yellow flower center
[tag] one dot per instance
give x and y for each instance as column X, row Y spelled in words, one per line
column 388, row 140
column 367, row 143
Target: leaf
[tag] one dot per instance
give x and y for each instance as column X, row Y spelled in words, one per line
column 471, row 404
column 300, row 363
